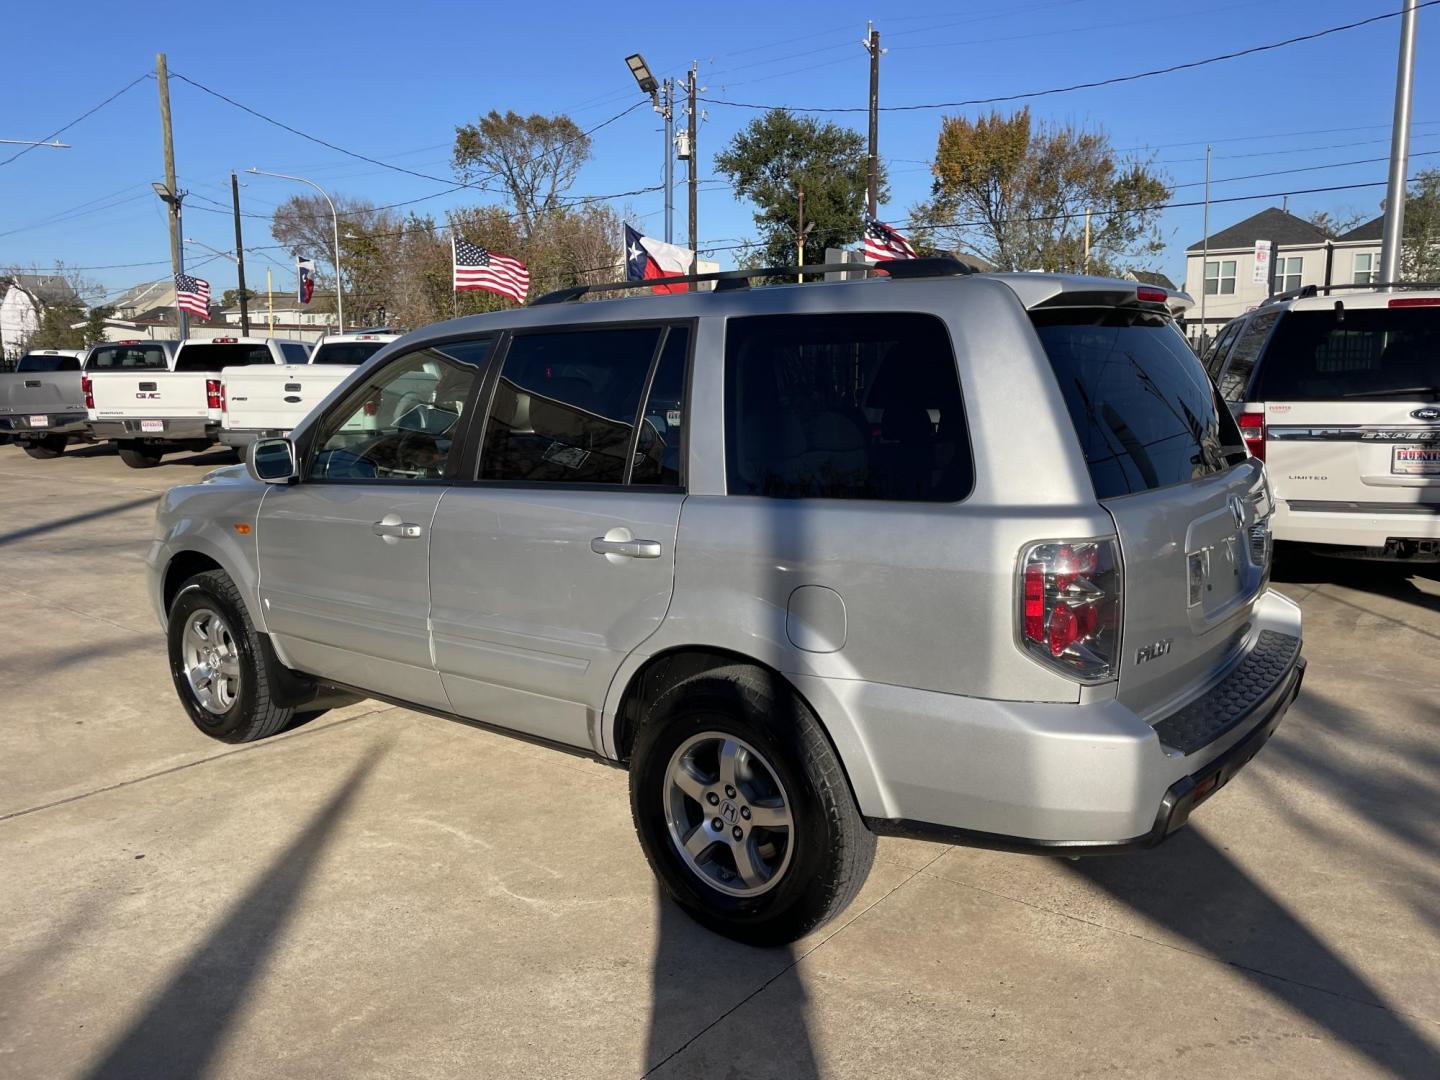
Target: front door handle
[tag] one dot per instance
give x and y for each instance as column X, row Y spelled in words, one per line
column 630, row 549
column 397, row 530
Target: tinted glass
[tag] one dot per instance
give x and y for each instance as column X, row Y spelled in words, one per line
column 127, row 357
column 403, row 422
column 351, row 354
column 295, row 354
column 1237, row 372
column 1215, row 358
column 565, row 406
column 657, row 451
column 40, row 362
column 1146, row 413
column 1369, row 352
column 844, row 407
column 208, row 356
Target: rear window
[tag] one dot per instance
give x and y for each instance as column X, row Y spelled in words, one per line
column 1360, row 352
column 349, row 353
column 207, row 356
column 127, row 358
column 41, row 362
column 1146, row 413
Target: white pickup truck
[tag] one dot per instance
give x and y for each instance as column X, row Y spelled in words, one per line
column 153, row 410
column 265, row 402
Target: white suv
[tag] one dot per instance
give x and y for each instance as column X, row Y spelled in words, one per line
column 1338, row 390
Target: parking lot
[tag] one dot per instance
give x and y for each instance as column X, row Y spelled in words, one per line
column 383, row 893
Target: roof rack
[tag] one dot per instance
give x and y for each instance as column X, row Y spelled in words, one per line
column 732, row 280
column 1307, row 291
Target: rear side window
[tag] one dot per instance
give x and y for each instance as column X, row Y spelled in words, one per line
column 844, row 407
column 1215, row 358
column 1355, row 353
column 350, row 354
column 1146, row 413
column 205, row 356
column 127, row 358
column 565, row 408
column 41, row 362
column 1236, row 376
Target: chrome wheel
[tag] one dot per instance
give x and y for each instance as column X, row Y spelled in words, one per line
column 729, row 816
column 212, row 661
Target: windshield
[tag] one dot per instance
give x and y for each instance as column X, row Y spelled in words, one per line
column 1357, row 352
column 1143, row 407
column 349, row 353
column 42, row 362
column 127, row 357
column 208, row 356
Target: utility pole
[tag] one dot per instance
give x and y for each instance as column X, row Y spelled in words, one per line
column 1087, row 240
column 667, row 110
column 872, row 46
column 1204, row 250
column 177, row 253
column 1394, row 234
column 800, row 233
column 240, row 257
column 691, row 119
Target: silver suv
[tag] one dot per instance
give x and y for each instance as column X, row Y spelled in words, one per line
column 978, row 558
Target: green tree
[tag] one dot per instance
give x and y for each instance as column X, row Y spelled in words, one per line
column 1420, row 251
column 1015, row 192
column 94, row 331
column 231, row 297
column 58, row 328
column 778, row 154
column 535, row 158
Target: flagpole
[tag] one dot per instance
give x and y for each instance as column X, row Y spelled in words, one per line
column 454, row 296
column 270, row 300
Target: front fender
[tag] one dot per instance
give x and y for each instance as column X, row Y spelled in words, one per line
column 217, row 519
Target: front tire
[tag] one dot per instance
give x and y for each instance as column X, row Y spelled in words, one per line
column 51, row 446
column 225, row 672
column 139, row 456
column 743, row 810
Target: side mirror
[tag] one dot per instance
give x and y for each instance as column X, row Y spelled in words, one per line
column 271, row 460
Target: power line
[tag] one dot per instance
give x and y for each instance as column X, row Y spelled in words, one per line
column 1269, row 135
column 88, row 112
column 1300, row 169
column 1189, row 65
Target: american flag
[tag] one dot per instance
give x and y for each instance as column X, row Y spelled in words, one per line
column 192, row 294
column 476, row 268
column 882, row 242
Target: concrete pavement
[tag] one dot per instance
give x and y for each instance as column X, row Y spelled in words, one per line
column 381, row 893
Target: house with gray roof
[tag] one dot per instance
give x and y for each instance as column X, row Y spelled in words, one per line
column 23, row 300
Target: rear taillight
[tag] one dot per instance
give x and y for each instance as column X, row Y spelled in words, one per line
column 1070, row 606
column 372, row 408
column 88, row 389
column 212, row 394
column 1252, row 428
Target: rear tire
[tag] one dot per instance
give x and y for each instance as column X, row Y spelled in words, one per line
column 51, row 446
column 226, row 673
column 770, row 885
column 138, row 456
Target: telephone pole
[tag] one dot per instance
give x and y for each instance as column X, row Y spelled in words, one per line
column 1393, row 237
column 667, row 110
column 240, row 258
column 692, row 128
column 177, row 255
column 800, row 233
column 872, row 46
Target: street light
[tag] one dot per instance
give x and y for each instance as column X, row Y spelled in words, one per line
column 53, row 144
column 335, row 218
column 641, row 71
column 661, row 100
column 173, row 199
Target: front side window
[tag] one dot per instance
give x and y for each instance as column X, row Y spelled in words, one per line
column 844, row 407
column 127, row 358
column 1243, row 356
column 566, row 406
column 1220, row 278
column 1288, row 273
column 402, row 423
column 1366, row 268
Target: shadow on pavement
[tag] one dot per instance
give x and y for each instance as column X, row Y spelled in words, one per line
column 75, row 519
column 1393, row 580
column 699, row 980
column 1195, row 890
column 181, row 1030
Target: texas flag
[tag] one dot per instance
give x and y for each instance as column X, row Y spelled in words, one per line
column 646, row 258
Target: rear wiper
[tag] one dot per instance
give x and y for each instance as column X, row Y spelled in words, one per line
column 1400, row 391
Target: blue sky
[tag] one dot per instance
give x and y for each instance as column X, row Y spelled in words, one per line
column 392, row 82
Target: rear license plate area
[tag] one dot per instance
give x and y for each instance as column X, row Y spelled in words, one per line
column 39, row 421
column 1415, row 461
column 152, row 425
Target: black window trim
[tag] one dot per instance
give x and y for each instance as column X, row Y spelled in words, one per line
column 475, row 436
column 454, row 463
column 968, row 442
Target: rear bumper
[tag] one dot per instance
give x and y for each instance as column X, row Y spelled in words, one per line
column 1355, row 524
column 243, row 437
column 174, row 429
column 17, row 425
column 1086, row 776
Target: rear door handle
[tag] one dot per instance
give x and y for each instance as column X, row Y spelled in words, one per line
column 630, row 549
column 397, row 530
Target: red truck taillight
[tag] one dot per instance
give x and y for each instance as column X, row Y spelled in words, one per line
column 88, row 389
column 1252, row 428
column 213, row 396
column 1070, row 606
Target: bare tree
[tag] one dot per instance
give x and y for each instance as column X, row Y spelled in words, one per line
column 535, row 157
